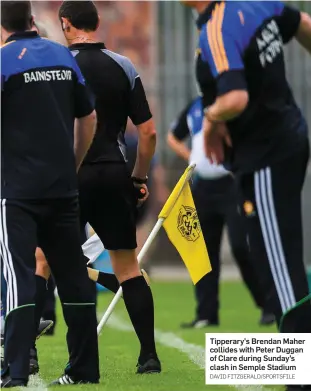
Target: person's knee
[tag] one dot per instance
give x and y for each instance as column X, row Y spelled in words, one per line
column 125, row 265
column 42, row 266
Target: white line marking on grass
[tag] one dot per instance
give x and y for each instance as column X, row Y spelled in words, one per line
column 36, row 384
column 196, row 353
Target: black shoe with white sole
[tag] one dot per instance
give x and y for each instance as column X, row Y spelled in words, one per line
column 7, row 382
column 148, row 365
column 66, row 380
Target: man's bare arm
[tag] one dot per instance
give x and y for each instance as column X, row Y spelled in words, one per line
column 147, row 137
column 303, row 34
column 179, row 147
column 228, row 106
column 84, row 133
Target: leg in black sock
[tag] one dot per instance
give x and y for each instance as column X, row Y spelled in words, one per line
column 40, row 298
column 49, row 311
column 109, row 281
column 139, row 304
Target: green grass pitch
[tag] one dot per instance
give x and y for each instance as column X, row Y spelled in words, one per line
column 174, row 303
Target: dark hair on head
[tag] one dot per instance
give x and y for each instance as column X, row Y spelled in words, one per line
column 16, row 15
column 82, row 15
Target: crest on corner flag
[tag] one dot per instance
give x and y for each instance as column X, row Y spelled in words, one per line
column 182, row 226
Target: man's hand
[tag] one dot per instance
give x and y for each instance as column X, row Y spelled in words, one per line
column 142, row 193
column 215, row 136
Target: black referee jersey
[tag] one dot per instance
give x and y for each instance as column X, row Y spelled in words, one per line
column 107, row 195
column 118, row 94
column 43, row 92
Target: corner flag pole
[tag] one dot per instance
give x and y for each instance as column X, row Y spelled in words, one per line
column 140, row 256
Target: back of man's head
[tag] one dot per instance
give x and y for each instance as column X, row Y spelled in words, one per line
column 16, row 15
column 82, row 15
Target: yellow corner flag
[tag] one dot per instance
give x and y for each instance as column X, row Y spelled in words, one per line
column 182, row 226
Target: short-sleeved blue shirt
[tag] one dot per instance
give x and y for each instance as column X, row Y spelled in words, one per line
column 43, row 91
column 242, row 43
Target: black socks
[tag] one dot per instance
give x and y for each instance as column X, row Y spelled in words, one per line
column 109, row 281
column 139, row 304
column 40, row 298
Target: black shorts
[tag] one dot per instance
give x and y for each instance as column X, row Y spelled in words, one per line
column 108, row 203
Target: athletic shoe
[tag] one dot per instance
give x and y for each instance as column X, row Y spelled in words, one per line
column 7, row 382
column 49, row 315
column 50, row 332
column 198, row 324
column 298, row 388
column 44, row 326
column 267, row 318
column 33, row 362
column 151, row 365
column 65, row 380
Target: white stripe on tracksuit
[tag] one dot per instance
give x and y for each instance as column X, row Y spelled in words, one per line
column 272, row 238
column 8, row 267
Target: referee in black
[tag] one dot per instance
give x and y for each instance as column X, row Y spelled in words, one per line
column 43, row 92
column 266, row 141
column 109, row 193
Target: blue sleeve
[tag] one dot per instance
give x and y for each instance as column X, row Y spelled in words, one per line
column 221, row 43
column 279, row 7
column 179, row 128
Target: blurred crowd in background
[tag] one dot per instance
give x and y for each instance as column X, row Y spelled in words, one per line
column 159, row 38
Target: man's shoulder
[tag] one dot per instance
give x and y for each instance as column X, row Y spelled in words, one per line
column 227, row 17
column 119, row 58
column 238, row 20
column 125, row 63
column 8, row 45
column 10, row 48
column 21, row 46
